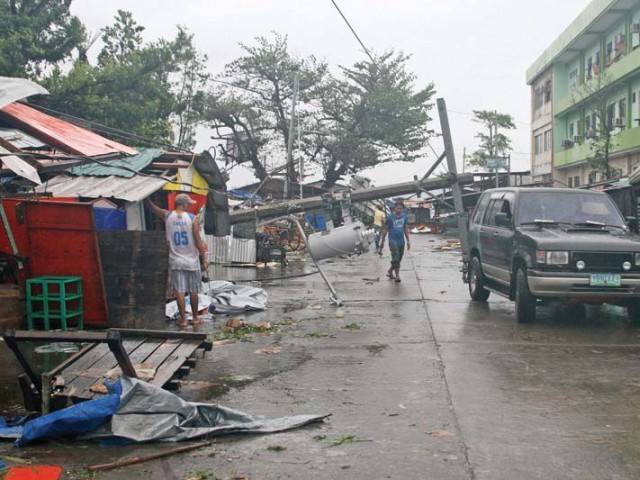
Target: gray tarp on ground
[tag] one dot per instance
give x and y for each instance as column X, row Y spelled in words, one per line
column 148, row 413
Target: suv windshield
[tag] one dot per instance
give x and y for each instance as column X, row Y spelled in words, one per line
column 564, row 207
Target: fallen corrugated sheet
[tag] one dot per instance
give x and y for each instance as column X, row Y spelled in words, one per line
column 242, row 250
column 132, row 189
column 64, row 135
column 12, row 89
column 218, row 248
column 121, row 167
column 20, row 139
column 19, row 166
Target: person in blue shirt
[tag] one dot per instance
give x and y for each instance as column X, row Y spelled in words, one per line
column 396, row 226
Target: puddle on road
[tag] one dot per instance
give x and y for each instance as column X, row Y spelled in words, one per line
column 41, row 361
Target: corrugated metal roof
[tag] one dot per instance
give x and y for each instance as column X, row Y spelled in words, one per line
column 132, row 189
column 70, row 138
column 19, row 166
column 19, row 139
column 135, row 163
column 12, row 89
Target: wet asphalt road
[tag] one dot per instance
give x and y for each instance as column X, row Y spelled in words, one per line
column 431, row 386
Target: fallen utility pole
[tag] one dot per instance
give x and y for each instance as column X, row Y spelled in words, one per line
column 363, row 195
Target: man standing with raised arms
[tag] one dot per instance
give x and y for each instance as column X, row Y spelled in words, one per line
column 186, row 252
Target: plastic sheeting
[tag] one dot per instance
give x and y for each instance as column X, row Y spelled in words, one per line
column 136, row 411
column 148, row 413
column 224, row 297
column 229, row 297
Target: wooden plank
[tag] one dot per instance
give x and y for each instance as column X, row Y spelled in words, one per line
column 104, row 364
column 172, row 363
column 145, row 350
column 128, row 333
column 162, row 352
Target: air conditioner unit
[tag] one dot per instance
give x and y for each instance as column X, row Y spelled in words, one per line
column 567, row 143
column 619, row 122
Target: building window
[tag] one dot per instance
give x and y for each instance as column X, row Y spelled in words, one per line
column 547, row 91
column 622, row 109
column 573, row 79
column 547, row 141
column 537, row 149
column 570, row 182
column 611, row 113
column 571, row 131
column 576, row 181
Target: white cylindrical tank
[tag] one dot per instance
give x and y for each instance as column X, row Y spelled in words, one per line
column 345, row 240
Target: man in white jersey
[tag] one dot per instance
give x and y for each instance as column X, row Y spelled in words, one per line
column 186, row 250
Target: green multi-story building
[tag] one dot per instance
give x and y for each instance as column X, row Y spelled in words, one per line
column 585, row 98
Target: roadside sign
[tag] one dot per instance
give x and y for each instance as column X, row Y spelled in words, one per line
column 496, row 163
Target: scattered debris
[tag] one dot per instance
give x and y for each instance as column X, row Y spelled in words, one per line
column 371, row 280
column 441, row 433
column 276, row 448
column 421, row 229
column 352, row 326
column 343, row 441
column 146, row 458
column 273, row 350
column 61, row 347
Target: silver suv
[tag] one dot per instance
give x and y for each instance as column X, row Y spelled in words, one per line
column 535, row 245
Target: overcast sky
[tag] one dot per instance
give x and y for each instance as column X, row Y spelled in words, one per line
column 476, row 52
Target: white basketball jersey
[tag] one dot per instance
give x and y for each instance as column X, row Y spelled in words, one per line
column 183, row 253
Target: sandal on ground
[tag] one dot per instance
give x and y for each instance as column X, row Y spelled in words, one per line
column 398, row 279
column 391, row 275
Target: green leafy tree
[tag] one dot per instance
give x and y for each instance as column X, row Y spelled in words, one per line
column 493, row 143
column 145, row 90
column 373, row 115
column 251, row 107
column 36, row 35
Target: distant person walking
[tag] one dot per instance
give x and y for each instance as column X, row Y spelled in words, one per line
column 378, row 225
column 396, row 226
column 186, row 252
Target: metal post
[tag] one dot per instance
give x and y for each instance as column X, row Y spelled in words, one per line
column 294, row 100
column 455, row 186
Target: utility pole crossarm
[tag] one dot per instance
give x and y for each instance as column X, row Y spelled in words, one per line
column 363, row 195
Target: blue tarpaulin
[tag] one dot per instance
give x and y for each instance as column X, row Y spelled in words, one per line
column 243, row 195
column 137, row 411
column 109, row 218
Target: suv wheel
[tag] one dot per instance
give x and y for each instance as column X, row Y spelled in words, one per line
column 633, row 309
column 525, row 302
column 476, row 282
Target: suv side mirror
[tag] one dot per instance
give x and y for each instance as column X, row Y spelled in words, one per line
column 633, row 224
column 503, row 220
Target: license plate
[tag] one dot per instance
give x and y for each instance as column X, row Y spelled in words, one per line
column 604, row 280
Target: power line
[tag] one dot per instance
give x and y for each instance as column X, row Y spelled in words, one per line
column 352, row 30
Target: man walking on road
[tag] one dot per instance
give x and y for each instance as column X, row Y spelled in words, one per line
column 396, row 225
column 378, row 224
column 186, row 251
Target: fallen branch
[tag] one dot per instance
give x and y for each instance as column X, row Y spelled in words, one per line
column 153, row 456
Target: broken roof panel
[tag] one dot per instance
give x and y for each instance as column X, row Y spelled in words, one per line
column 19, row 166
column 64, row 135
column 12, row 89
column 121, row 167
column 20, row 140
column 132, row 189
